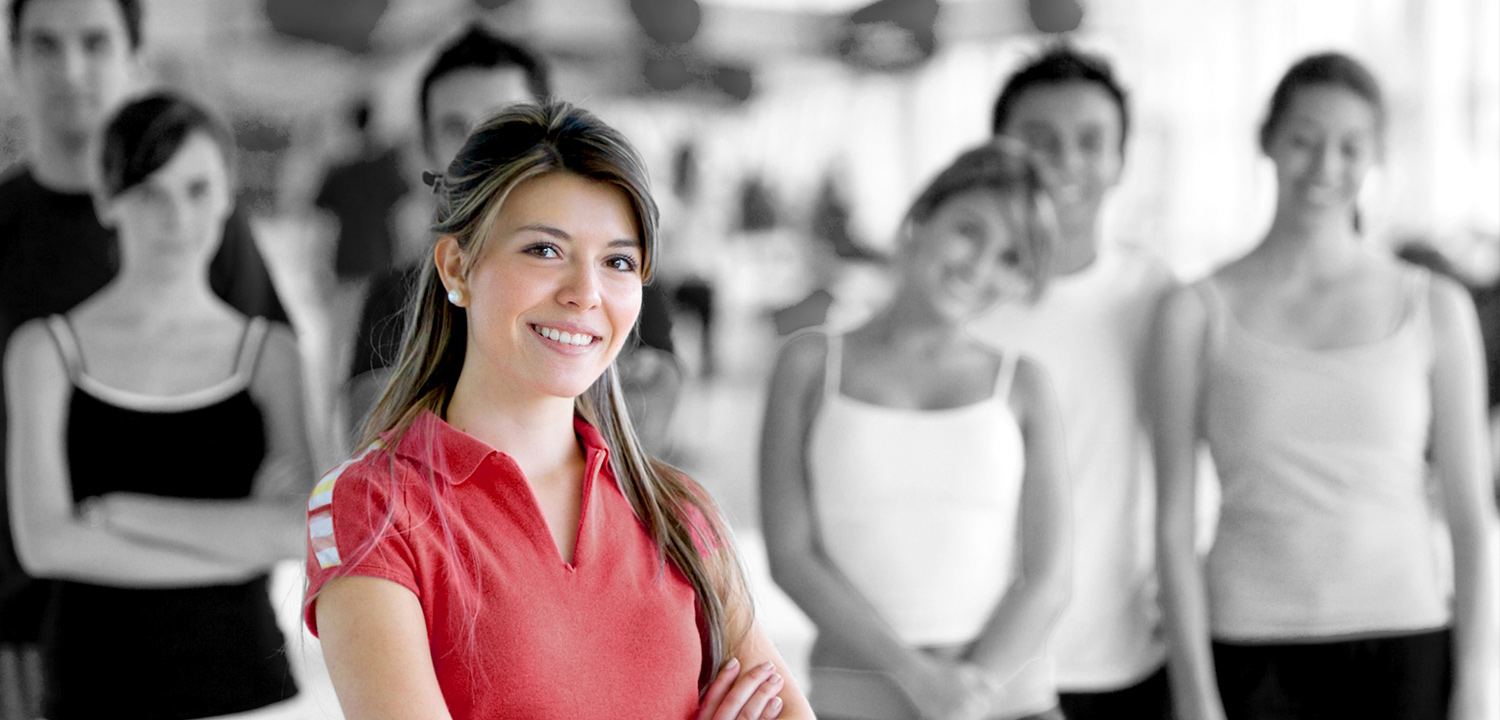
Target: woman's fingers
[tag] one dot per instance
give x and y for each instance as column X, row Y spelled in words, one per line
column 717, row 689
column 751, row 693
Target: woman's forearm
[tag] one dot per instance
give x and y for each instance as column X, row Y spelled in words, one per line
column 843, row 619
column 73, row 551
column 1017, row 632
column 1476, row 610
column 252, row 531
column 1185, row 611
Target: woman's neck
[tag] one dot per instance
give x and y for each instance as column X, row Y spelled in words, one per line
column 537, row 432
column 1077, row 244
column 910, row 325
column 158, row 294
column 1308, row 244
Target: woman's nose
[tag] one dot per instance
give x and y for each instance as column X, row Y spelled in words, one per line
column 580, row 287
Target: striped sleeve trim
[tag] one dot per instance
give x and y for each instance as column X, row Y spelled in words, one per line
column 322, row 493
column 320, row 520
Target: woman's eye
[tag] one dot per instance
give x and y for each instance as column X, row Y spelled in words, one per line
column 543, row 251
column 1091, row 142
column 622, row 262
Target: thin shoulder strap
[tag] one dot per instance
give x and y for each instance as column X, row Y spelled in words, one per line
column 252, row 343
column 833, row 365
column 1007, row 376
column 67, row 345
column 1218, row 311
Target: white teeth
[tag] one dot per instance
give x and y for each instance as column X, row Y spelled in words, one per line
column 564, row 337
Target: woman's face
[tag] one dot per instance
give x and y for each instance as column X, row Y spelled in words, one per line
column 175, row 217
column 964, row 258
column 556, row 288
column 1323, row 147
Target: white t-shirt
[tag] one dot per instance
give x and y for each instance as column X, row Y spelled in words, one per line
column 1090, row 330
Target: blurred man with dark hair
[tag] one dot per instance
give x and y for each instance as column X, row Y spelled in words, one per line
column 74, row 62
column 1090, row 331
column 471, row 77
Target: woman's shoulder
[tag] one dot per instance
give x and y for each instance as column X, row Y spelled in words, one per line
column 804, row 353
column 278, row 343
column 374, row 472
column 31, row 349
column 1030, row 383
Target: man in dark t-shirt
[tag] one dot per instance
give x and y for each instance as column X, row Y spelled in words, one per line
column 472, row 76
column 74, row 61
column 360, row 193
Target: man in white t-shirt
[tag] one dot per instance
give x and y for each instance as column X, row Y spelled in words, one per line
column 1090, row 330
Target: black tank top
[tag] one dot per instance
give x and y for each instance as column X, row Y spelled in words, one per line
column 187, row 652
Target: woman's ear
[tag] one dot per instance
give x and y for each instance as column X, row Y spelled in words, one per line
column 449, row 259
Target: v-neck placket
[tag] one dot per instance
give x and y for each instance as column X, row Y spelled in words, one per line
column 459, row 456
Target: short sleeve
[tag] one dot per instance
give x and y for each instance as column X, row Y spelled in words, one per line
column 356, row 525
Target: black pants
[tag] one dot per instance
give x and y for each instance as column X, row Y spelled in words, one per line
column 1149, row 699
column 1404, row 677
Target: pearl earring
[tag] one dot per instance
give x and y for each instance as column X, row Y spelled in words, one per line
column 456, row 297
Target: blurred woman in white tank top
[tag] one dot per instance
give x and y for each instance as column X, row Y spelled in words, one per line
column 912, row 478
column 1330, row 381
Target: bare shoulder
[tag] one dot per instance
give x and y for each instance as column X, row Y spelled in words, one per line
column 278, row 368
column 1184, row 303
column 804, row 350
column 280, row 350
column 800, row 361
column 1032, row 381
column 31, row 354
column 1452, row 307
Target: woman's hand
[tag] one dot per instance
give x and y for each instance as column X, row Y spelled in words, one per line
column 946, row 690
column 742, row 696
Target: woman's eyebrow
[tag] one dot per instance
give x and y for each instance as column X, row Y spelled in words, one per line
column 558, row 233
column 561, row 234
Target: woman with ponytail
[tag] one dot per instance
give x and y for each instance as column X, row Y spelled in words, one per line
column 503, row 547
column 1330, row 381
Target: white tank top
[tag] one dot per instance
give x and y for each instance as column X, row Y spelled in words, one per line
column 918, row 508
column 1325, row 529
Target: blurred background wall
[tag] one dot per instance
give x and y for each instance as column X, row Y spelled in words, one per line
column 762, row 89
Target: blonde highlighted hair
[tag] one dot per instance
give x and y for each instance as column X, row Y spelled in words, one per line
column 1003, row 167
column 516, row 145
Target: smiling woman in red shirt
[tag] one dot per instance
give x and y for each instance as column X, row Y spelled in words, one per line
column 503, row 547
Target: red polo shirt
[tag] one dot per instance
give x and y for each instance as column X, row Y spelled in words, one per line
column 613, row 635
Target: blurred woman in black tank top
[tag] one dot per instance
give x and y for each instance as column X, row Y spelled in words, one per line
column 159, row 455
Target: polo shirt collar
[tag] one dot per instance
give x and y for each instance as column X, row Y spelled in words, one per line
column 455, row 454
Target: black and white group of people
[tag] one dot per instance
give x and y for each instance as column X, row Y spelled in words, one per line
column 985, row 496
